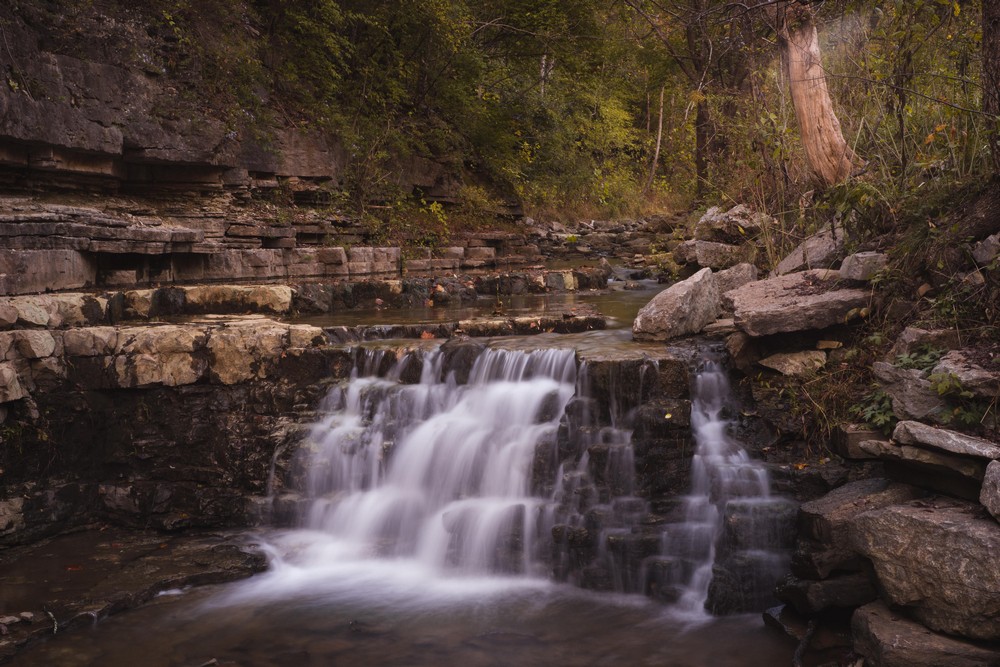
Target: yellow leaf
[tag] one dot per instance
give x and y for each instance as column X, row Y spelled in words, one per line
column 940, row 127
column 667, row 416
column 929, row 139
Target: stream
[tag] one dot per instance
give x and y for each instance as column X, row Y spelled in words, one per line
column 425, row 540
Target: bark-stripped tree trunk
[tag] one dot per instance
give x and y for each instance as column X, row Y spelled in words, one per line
column 991, row 75
column 830, row 158
column 659, row 142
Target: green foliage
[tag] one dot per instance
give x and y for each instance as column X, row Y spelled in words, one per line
column 875, row 409
column 963, row 407
column 922, row 358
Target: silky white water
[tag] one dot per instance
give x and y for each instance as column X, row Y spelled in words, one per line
column 721, row 472
column 440, row 473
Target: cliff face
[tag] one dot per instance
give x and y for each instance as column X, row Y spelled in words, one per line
column 87, row 101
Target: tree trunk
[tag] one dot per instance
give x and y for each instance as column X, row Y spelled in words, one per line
column 659, row 142
column 830, row 158
column 702, row 128
column 991, row 76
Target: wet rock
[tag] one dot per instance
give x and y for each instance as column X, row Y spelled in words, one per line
column 819, row 251
column 936, row 557
column 795, row 302
column 785, row 620
column 92, row 575
column 744, row 582
column 758, row 524
column 806, row 362
column 809, row 597
column 862, row 265
column 915, row 433
column 743, row 351
column 682, row 309
column 913, row 397
column 889, row 639
column 817, row 560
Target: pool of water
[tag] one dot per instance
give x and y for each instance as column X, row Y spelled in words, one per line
column 381, row 613
column 619, row 305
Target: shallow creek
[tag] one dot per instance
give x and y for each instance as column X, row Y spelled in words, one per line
column 368, row 581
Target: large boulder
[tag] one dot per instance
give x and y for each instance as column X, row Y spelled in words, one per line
column 888, row 639
column 682, row 309
column 819, row 251
column 733, row 226
column 937, row 558
column 795, row 302
column 708, row 254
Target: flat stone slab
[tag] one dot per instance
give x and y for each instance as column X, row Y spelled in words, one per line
column 888, row 639
column 916, row 433
column 795, row 302
column 937, row 558
column 87, row 576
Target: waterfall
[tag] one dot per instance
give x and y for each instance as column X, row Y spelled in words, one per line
column 729, row 509
column 437, row 471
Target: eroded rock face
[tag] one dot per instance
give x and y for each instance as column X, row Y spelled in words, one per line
column 680, row 310
column 795, row 302
column 889, row 639
column 937, row 558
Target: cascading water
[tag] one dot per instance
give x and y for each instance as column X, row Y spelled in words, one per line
column 437, row 471
column 727, row 488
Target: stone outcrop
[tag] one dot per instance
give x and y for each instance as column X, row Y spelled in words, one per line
column 915, row 433
column 682, row 309
column 888, row 639
column 936, row 558
column 795, row 302
column 735, row 226
column 819, row 251
column 709, row 254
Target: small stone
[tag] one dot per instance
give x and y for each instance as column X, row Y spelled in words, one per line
column 862, row 265
column 829, row 345
column 795, row 363
column 27, row 616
